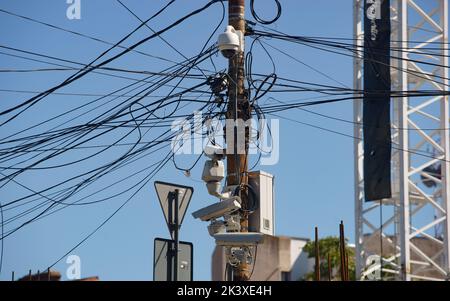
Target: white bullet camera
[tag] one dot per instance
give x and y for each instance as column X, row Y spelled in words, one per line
column 230, row 42
column 217, row 210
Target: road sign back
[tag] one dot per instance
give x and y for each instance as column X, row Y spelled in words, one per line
column 164, row 264
column 166, row 192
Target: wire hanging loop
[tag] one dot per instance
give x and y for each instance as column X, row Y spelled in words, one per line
column 259, row 19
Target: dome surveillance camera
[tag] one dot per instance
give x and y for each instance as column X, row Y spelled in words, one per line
column 229, row 42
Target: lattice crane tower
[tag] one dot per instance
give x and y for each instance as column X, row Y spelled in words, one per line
column 415, row 222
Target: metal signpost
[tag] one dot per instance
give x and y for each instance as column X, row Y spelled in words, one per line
column 174, row 200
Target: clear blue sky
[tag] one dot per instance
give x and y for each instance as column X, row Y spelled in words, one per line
column 314, row 177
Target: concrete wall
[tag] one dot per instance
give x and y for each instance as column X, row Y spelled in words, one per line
column 301, row 264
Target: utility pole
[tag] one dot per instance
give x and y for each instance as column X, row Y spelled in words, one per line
column 238, row 109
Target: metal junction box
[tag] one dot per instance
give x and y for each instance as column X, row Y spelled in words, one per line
column 263, row 218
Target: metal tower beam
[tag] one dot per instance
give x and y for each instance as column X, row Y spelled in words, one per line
column 415, row 228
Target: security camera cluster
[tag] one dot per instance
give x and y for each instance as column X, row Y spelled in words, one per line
column 224, row 216
column 229, row 201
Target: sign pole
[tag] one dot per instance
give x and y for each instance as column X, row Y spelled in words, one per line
column 171, row 248
column 174, row 200
column 176, row 229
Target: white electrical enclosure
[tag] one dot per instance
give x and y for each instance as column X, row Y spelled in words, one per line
column 262, row 220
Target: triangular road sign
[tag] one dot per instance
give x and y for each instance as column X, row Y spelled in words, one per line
column 164, row 190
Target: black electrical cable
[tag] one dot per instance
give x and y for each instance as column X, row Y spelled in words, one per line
column 257, row 96
column 81, row 94
column 99, row 190
column 104, row 222
column 133, row 102
column 31, row 220
column 32, row 101
column 43, row 212
column 395, row 42
column 357, row 138
column 304, row 42
column 262, row 21
column 106, row 122
column 304, row 64
column 309, row 43
column 96, row 100
column 139, row 120
column 46, row 189
column 78, row 202
column 252, row 197
column 360, row 123
column 162, row 38
column 81, row 34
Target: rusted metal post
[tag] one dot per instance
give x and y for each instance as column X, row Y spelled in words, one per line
column 342, row 251
column 12, row 276
column 317, row 254
column 344, row 247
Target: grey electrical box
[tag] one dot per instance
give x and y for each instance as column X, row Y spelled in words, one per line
column 263, row 218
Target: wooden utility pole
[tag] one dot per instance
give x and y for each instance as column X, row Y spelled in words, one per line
column 238, row 109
